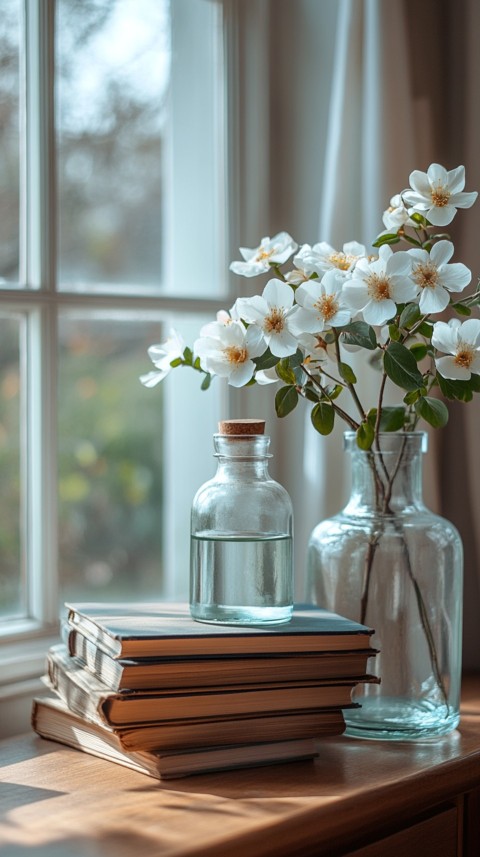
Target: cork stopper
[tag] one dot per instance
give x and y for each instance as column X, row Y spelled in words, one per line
column 241, row 427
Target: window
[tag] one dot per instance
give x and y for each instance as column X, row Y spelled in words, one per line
column 113, row 229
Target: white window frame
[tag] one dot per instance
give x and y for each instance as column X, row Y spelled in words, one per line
column 244, row 100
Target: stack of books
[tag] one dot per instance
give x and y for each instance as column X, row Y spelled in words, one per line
column 147, row 686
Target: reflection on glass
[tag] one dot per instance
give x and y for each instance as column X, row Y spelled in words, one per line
column 9, row 139
column 113, row 63
column 110, row 461
column 12, row 589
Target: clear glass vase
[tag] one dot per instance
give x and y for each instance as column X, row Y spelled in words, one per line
column 390, row 563
column 241, row 559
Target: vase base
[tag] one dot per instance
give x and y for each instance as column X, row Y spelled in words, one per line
column 222, row 614
column 400, row 720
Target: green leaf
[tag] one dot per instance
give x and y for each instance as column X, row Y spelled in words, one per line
column 412, row 240
column 197, row 365
column 460, row 309
column 433, row 411
column 323, row 417
column 284, row 372
column 206, row 382
column 394, row 332
column 296, row 359
column 334, row 392
column 401, row 367
column 386, row 238
column 178, row 361
column 298, row 375
column 475, row 383
column 286, row 400
column 419, row 351
column 311, row 393
column 347, row 373
column 365, row 435
column 392, row 418
column 188, row 356
column 267, row 360
column 425, row 329
column 410, row 315
column 359, row 333
column 418, row 218
column 411, row 398
column 461, row 390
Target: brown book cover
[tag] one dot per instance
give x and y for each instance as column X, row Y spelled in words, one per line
column 52, row 719
column 86, row 695
column 167, row 630
column 188, row 733
column 164, row 673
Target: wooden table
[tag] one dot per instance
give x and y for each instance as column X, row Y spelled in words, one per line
column 361, row 798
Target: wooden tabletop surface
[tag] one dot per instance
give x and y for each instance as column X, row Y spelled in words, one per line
column 58, row 802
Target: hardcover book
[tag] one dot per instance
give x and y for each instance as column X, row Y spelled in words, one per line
column 87, row 696
column 167, row 630
column 145, row 673
column 189, row 733
column 52, row 719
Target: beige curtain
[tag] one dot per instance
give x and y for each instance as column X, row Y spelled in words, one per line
column 401, row 100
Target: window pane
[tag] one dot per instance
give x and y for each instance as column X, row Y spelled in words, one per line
column 9, row 139
column 110, row 460
column 12, row 590
column 130, row 458
column 113, row 61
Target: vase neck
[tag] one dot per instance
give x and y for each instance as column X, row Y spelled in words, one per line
column 388, row 479
column 242, row 457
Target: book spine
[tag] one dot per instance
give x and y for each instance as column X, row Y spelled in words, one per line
column 76, row 697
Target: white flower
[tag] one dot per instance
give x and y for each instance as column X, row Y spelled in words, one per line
column 318, row 350
column 297, row 277
column 321, row 304
column 322, row 256
column 162, row 356
column 437, row 193
column 271, row 250
column 376, row 287
column 266, row 376
column 435, row 278
column 223, row 319
column 228, row 350
column 462, row 342
column 396, row 215
column 272, row 313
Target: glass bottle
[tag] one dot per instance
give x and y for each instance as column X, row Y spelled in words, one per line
column 241, row 555
column 389, row 562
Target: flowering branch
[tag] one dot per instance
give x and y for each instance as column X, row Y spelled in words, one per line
column 332, row 302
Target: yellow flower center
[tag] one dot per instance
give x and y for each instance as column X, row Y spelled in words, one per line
column 327, row 306
column 264, row 254
column 465, row 355
column 236, row 354
column 274, row 321
column 425, row 275
column 440, row 195
column 343, row 261
column 378, row 287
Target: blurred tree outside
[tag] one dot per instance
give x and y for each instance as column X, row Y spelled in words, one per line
column 110, row 483
column 112, row 75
